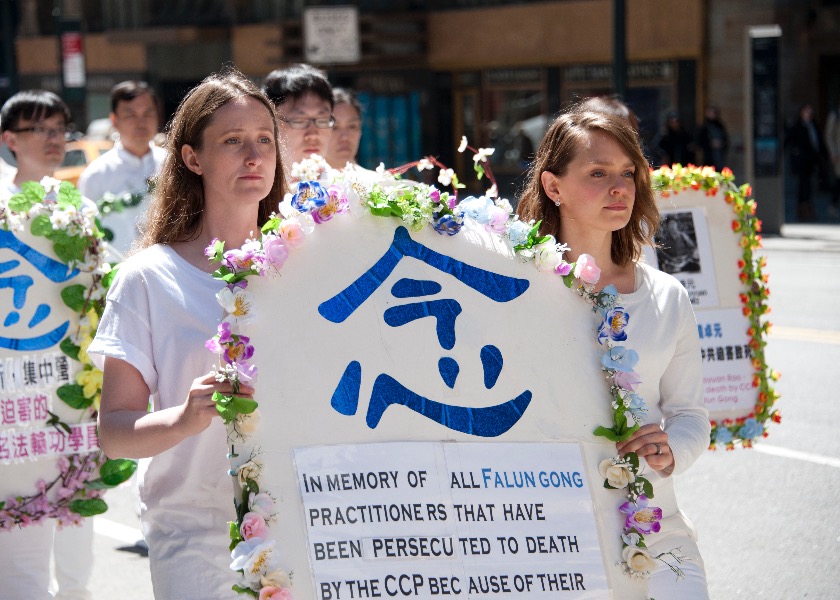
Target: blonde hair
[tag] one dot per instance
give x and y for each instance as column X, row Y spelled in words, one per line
column 559, row 148
column 176, row 209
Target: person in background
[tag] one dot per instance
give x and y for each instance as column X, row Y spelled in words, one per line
column 34, row 127
column 125, row 170
column 304, row 101
column 674, row 144
column 221, row 179
column 612, row 106
column 590, row 187
column 832, row 141
column 347, row 131
column 713, row 138
column 807, row 151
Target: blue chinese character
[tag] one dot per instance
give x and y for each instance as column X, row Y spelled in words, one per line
column 53, row 270
column 488, row 421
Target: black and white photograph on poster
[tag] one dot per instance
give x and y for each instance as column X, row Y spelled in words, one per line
column 684, row 251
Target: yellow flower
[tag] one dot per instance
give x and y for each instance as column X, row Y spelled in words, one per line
column 91, row 381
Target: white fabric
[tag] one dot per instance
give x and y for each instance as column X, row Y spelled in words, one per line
column 73, row 548
column 663, row 330
column 159, row 313
column 118, row 171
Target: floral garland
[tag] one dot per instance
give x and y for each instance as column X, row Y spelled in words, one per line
column 57, row 211
column 672, row 180
column 111, row 203
column 417, row 205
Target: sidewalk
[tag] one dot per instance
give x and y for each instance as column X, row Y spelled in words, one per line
column 805, row 237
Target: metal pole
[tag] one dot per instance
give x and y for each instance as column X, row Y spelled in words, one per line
column 619, row 68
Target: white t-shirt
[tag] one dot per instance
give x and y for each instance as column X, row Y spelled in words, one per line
column 118, row 171
column 159, row 313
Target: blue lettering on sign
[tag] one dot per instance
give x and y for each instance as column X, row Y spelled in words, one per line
column 487, row 421
column 53, row 270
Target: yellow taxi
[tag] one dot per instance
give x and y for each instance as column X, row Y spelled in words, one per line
column 78, row 155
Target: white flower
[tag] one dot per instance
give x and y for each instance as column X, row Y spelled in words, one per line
column 546, row 257
column 618, row 474
column 249, row 470
column 445, row 176
column 504, row 204
column 631, row 539
column 493, row 192
column 638, row 561
column 262, row 504
column 238, row 303
column 463, row 145
column 51, row 184
column 246, row 424
column 482, row 154
column 425, row 164
column 381, row 170
column 255, row 558
column 277, row 578
column 60, row 219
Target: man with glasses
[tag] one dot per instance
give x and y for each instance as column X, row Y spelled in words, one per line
column 33, row 125
column 304, row 101
column 124, row 171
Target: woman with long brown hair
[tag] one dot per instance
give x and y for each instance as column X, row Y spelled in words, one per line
column 590, row 186
column 221, row 179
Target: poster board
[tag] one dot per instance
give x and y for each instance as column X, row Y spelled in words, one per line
column 708, row 242
column 401, row 367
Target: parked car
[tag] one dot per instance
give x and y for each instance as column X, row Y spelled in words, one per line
column 78, row 155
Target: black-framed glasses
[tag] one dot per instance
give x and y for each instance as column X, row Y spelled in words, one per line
column 44, row 132
column 320, row 123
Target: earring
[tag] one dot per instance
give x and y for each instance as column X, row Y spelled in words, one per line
column 557, row 203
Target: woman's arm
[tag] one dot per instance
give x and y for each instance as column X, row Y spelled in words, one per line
column 128, row 430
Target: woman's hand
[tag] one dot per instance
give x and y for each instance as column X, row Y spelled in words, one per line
column 198, row 409
column 651, row 443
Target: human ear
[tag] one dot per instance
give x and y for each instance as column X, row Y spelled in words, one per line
column 190, row 159
column 10, row 140
column 550, row 183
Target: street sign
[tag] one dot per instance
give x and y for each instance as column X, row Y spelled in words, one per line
column 331, row 35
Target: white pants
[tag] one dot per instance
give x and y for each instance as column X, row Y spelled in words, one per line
column 25, row 555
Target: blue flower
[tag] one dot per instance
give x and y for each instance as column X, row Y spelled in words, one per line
column 751, row 429
column 613, row 325
column 477, row 209
column 606, row 299
column 637, row 407
column 518, row 233
column 723, row 435
column 620, row 358
column 309, row 195
column 447, row 224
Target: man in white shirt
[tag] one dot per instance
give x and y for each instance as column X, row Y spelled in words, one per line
column 125, row 170
column 33, row 124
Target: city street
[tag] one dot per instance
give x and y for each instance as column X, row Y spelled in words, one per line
column 766, row 517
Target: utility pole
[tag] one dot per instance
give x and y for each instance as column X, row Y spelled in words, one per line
column 68, row 21
column 619, row 66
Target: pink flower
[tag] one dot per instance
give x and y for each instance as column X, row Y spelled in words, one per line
column 641, row 517
column 563, row 268
column 253, row 525
column 586, row 270
column 274, row 593
column 291, row 231
column 275, row 251
column 498, row 219
column 238, row 351
column 628, row 380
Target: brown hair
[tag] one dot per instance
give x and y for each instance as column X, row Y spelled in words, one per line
column 559, row 148
column 176, row 209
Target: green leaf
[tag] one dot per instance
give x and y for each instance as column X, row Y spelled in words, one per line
column 271, row 225
column 108, row 278
column 244, row 590
column 73, row 395
column 74, row 297
column 602, row 431
column 116, row 471
column 68, row 247
column 89, row 507
column 235, row 536
column 69, row 348
column 647, row 487
column 68, row 196
column 244, row 406
column 31, row 192
column 41, row 226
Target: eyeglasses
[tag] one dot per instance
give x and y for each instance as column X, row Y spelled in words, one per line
column 320, row 123
column 44, row 132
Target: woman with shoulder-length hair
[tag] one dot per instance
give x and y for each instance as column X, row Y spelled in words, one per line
column 590, row 186
column 221, row 179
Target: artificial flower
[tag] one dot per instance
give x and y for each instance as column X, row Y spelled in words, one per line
column 586, row 270
column 629, row 380
column 751, row 429
column 309, row 195
column 638, row 560
column 447, row 224
column 463, row 145
column 262, row 504
column 641, row 517
column 425, row 164
column 277, row 578
column 238, row 304
column 612, row 328
column 255, row 558
column 445, row 176
column 619, row 358
column 274, row 593
column 248, row 470
column 618, row 473
column 253, row 526
column 546, row 257
column 275, row 250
